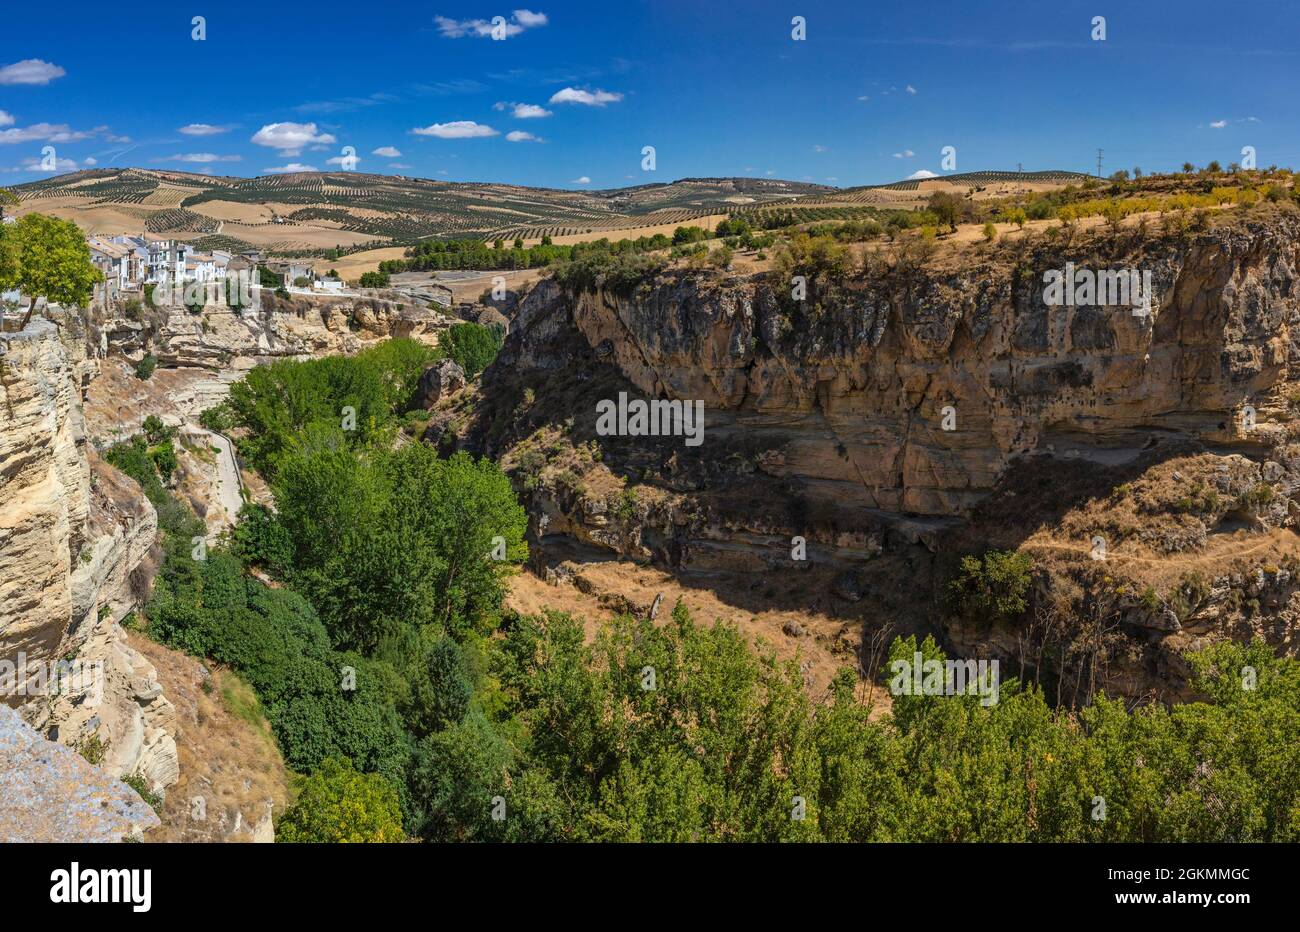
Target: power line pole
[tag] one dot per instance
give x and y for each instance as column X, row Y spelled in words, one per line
column 1098, row 163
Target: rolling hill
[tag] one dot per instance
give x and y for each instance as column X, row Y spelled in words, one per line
column 310, row 212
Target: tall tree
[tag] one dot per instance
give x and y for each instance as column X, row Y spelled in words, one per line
column 53, row 260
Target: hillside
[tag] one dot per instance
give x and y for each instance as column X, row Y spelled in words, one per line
column 311, row 212
column 314, row 211
column 824, row 423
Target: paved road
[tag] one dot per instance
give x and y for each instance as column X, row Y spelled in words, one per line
column 228, row 484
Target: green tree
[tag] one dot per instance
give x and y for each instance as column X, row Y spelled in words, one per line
column 396, row 540
column 155, row 431
column 441, row 691
column 472, row 346
column 10, row 257
column 992, row 587
column 337, row 804
column 946, row 207
column 164, row 458
column 53, row 260
column 7, row 199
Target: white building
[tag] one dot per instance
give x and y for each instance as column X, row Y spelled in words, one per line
column 113, row 261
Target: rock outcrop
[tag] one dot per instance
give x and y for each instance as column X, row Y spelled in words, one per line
column 76, row 543
column 48, row 793
column 220, row 338
column 887, row 407
column 44, row 490
column 438, row 381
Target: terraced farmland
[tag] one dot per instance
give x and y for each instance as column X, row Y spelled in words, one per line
column 164, row 221
column 307, row 213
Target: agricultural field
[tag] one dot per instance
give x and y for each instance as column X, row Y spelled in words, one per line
column 310, row 213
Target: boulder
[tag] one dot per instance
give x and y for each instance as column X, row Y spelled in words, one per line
column 439, row 381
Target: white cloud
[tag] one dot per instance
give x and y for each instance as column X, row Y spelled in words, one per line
column 44, row 132
column 864, row 97
column 905, row 154
column 290, row 138
column 522, row 111
column 291, row 167
column 528, row 19
column 910, row 89
column 583, row 180
column 387, row 152
column 457, row 129
column 6, row 119
column 89, row 161
column 1219, row 124
column 398, row 165
column 817, row 148
column 203, row 129
column 201, row 157
column 482, row 28
column 596, row 98
column 922, row 174
column 30, row 71
column 520, row 136
column 40, row 165
column 344, row 160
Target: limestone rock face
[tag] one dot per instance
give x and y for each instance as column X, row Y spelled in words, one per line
column 220, row 337
column 48, row 793
column 846, row 393
column 888, row 417
column 76, row 544
column 44, row 490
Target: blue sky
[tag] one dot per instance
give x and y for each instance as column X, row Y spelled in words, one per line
column 872, row 94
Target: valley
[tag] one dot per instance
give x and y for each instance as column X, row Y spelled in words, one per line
column 272, row 540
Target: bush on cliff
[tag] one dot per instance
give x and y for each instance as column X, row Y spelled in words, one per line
column 339, row 804
column 992, row 587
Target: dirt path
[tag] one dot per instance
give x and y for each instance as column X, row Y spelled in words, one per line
column 229, row 491
column 1215, row 556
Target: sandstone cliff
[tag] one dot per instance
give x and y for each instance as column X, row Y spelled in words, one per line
column 825, row 418
column 74, row 538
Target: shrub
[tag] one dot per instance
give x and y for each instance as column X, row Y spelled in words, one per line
column 472, row 346
column 993, row 587
column 145, row 367
column 220, row 418
column 338, row 804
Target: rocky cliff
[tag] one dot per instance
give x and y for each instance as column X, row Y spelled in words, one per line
column 907, row 403
column 75, row 539
column 44, row 490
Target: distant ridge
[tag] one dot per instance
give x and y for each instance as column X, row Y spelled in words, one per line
column 312, row 213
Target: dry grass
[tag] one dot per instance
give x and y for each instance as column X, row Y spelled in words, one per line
column 228, row 757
